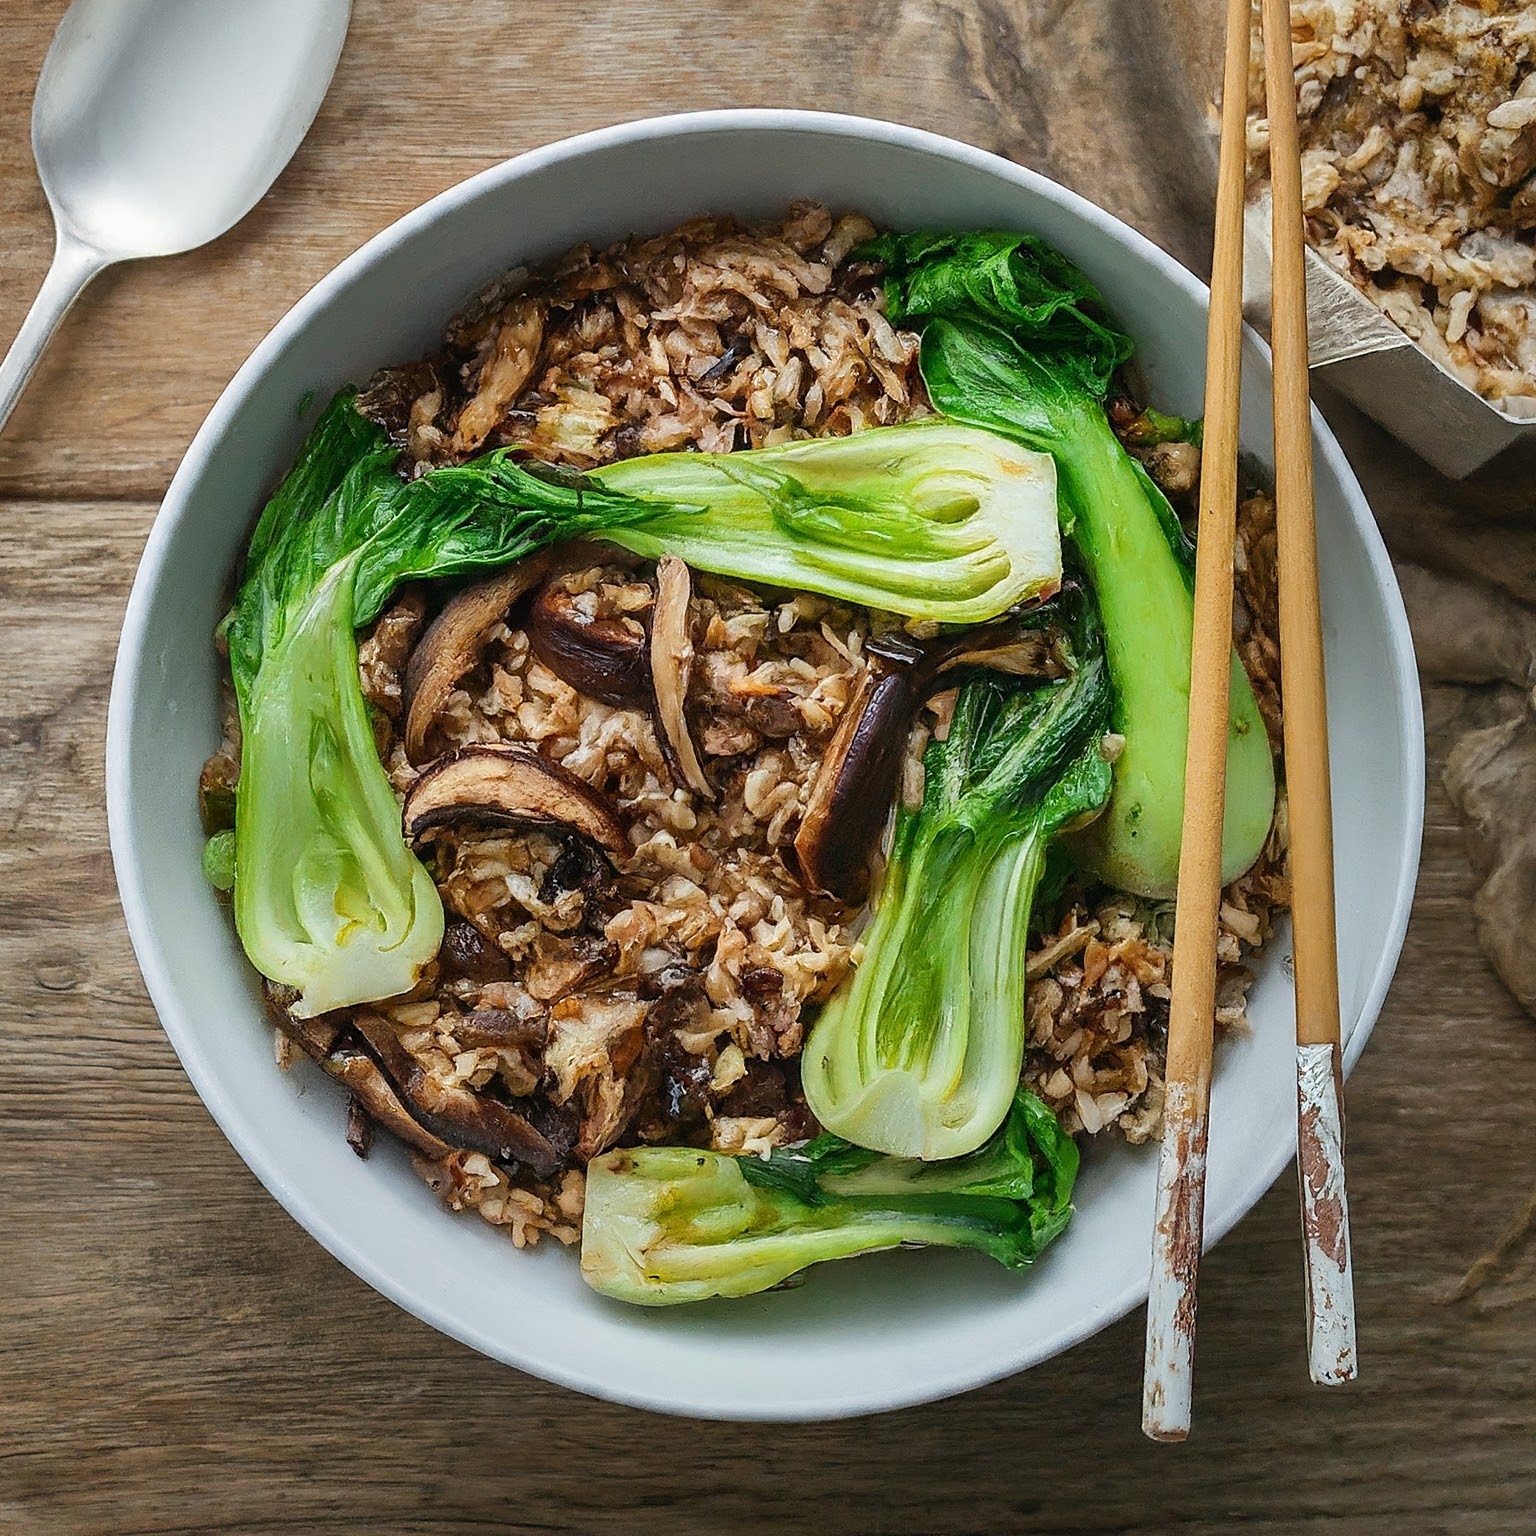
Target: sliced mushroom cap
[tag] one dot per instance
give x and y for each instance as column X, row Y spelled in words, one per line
column 474, row 1122
column 606, row 659
column 671, row 666
column 372, row 1090
column 510, row 786
column 453, row 643
column 856, row 784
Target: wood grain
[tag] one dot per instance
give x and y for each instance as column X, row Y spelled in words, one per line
column 180, row 1357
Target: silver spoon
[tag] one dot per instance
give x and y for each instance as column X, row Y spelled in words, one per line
column 158, row 124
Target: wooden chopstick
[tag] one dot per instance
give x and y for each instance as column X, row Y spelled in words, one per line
column 1331, row 1354
column 1176, row 1243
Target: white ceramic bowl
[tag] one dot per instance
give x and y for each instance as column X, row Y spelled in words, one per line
column 880, row 1332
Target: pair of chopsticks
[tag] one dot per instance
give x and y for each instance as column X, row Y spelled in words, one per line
column 1320, row 1152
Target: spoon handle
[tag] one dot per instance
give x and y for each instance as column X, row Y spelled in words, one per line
column 74, row 265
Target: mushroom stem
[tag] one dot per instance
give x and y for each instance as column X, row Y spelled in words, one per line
column 671, row 668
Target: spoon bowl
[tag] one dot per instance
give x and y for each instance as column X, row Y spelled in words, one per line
column 159, row 124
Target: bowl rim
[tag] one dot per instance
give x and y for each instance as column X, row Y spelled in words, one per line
column 152, row 954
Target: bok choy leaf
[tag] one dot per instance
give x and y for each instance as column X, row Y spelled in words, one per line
column 673, row 1224
column 932, row 520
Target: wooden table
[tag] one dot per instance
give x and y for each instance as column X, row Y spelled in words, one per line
column 179, row 1356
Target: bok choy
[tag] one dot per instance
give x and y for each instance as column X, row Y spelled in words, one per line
column 673, row 1224
column 919, row 1051
column 1014, row 340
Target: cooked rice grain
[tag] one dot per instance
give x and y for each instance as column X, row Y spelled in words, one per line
column 715, row 336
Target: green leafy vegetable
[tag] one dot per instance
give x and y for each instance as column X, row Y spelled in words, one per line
column 674, row 1224
column 932, row 520
column 1017, row 282
column 1013, row 342
column 918, row 1052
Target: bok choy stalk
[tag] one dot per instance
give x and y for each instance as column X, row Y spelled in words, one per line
column 1014, row 340
column 932, row 520
column 940, row 522
column 918, row 1053
column 673, row 1224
